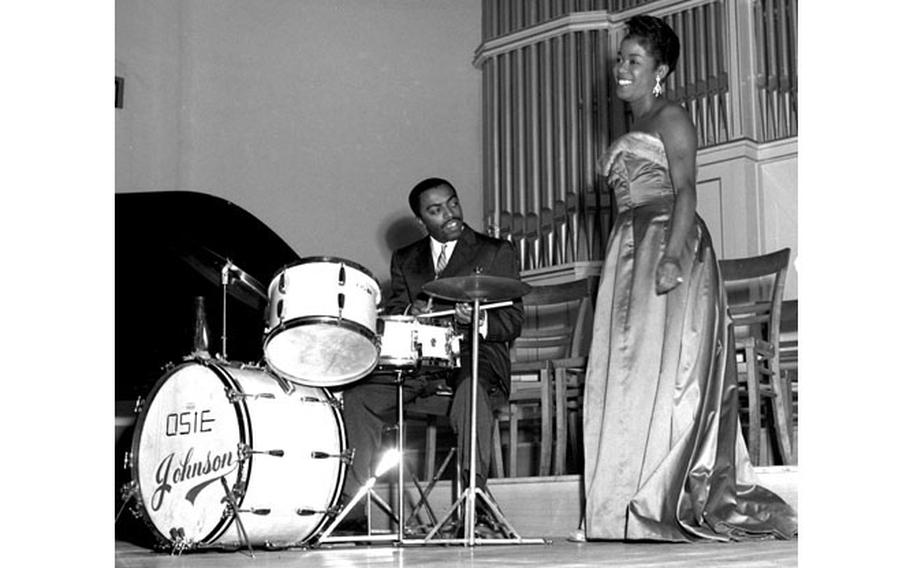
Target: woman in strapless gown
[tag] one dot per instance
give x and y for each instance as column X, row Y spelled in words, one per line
column 665, row 457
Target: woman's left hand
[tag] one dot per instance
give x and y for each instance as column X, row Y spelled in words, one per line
column 669, row 274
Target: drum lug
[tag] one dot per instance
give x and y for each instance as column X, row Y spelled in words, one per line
column 416, row 346
column 331, row 511
column 346, row 456
column 244, row 452
column 235, row 396
column 128, row 460
column 255, row 511
column 137, row 406
column 333, row 402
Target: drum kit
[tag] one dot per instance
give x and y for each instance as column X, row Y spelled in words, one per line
column 227, row 455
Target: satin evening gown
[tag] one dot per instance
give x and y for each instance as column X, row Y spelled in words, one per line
column 665, row 458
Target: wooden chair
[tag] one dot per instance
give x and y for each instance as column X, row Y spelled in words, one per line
column 547, row 372
column 754, row 287
column 789, row 365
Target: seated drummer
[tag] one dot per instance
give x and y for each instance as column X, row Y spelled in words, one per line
column 451, row 249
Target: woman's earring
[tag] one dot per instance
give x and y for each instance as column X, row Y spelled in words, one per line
column 658, row 89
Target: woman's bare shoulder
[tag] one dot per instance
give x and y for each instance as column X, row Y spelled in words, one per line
column 674, row 124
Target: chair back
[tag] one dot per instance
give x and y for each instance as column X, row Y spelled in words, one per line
column 557, row 318
column 754, row 288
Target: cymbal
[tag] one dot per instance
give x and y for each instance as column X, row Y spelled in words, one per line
column 476, row 287
column 240, row 284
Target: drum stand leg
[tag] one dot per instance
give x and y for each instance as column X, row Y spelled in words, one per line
column 233, row 503
column 425, row 493
column 366, row 490
column 472, row 492
column 128, row 492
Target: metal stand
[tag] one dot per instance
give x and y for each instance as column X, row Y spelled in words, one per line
column 225, row 280
column 366, row 491
column 229, row 496
column 468, row 497
column 425, row 494
column 472, row 492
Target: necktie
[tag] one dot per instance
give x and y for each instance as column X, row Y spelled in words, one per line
column 441, row 260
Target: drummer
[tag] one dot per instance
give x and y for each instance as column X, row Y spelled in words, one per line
column 450, row 249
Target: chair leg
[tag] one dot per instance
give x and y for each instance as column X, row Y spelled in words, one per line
column 430, row 458
column 787, row 381
column 782, row 424
column 497, row 449
column 574, row 446
column 513, row 440
column 754, row 406
column 559, row 459
column 546, row 423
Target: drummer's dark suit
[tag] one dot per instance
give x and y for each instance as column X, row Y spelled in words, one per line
column 371, row 403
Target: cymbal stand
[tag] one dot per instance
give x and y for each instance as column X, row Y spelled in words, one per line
column 225, row 280
column 472, row 492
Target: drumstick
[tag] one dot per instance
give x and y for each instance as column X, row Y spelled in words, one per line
column 452, row 312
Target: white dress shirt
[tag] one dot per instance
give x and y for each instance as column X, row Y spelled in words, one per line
column 437, row 248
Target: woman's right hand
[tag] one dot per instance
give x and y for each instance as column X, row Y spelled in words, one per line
column 421, row 307
column 669, row 274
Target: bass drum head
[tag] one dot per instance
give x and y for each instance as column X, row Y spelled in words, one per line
column 210, row 429
column 186, row 439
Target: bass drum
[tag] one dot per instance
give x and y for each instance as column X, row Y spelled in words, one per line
column 214, row 432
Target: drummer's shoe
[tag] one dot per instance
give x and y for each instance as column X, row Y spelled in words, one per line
column 484, row 527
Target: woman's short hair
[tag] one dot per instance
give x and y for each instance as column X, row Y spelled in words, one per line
column 657, row 37
column 425, row 185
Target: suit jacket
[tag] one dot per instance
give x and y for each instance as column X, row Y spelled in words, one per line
column 412, row 267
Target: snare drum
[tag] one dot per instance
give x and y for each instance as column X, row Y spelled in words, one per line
column 408, row 342
column 321, row 328
column 212, row 432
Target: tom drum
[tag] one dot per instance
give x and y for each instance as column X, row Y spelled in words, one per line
column 321, row 324
column 408, row 342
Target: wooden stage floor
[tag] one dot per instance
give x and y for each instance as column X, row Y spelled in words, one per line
column 561, row 552
column 522, row 501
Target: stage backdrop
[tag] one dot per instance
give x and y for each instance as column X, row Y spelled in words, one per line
column 316, row 116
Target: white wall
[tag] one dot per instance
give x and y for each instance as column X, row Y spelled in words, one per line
column 747, row 195
column 317, row 116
